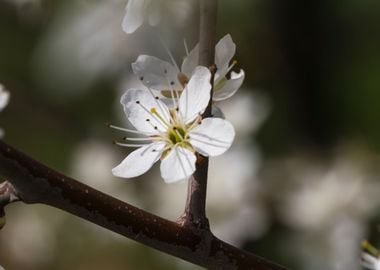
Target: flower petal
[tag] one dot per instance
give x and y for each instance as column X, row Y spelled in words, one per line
column 212, row 137
column 229, row 87
column 4, row 97
column 178, row 165
column 196, row 95
column 134, row 16
column 138, row 105
column 224, row 51
column 156, row 73
column 190, row 62
column 139, row 161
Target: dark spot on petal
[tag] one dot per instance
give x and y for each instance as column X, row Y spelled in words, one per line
column 156, row 97
column 141, row 78
column 137, row 102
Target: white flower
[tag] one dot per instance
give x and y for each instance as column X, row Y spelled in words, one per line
column 370, row 257
column 370, row 261
column 174, row 134
column 137, row 10
column 4, row 99
column 162, row 76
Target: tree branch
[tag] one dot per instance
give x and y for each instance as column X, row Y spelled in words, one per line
column 33, row 182
column 195, row 212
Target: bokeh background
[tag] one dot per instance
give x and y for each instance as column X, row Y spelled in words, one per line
column 300, row 184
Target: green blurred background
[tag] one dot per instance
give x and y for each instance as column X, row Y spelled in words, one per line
column 300, row 184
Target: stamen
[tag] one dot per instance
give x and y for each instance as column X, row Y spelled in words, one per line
column 129, row 144
column 131, row 130
column 186, row 48
column 137, row 139
column 156, row 98
column 174, row 97
column 161, row 121
column 223, row 75
column 179, row 134
column 196, row 123
column 169, row 53
column 154, row 112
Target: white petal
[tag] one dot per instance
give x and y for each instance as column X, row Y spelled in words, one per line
column 370, row 262
column 196, row 95
column 212, row 137
column 369, row 258
column 138, row 105
column 224, row 51
column 229, row 87
column 139, row 161
column 156, row 73
column 178, row 165
column 134, row 16
column 4, row 98
column 190, row 62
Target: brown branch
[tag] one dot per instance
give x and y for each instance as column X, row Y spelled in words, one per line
column 33, row 182
column 195, row 212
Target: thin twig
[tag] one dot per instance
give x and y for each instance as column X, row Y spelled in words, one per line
column 36, row 183
column 195, row 212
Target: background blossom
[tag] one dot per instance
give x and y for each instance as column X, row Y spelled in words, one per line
column 316, row 63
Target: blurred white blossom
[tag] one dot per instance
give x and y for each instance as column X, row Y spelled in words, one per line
column 327, row 203
column 138, row 11
column 83, row 43
column 4, row 99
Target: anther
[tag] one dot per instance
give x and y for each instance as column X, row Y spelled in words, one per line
column 177, row 109
column 171, row 83
column 157, row 97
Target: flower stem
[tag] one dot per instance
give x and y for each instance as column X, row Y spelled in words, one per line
column 195, row 211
